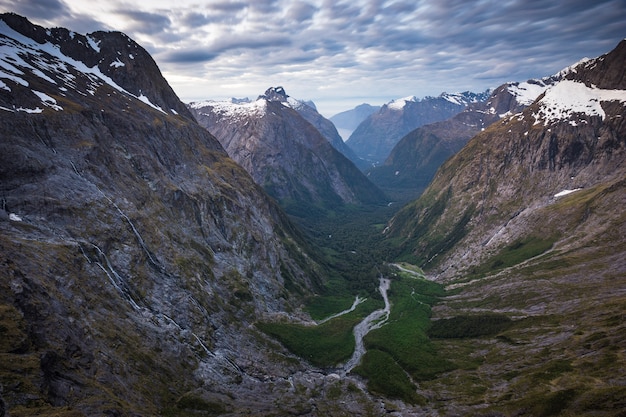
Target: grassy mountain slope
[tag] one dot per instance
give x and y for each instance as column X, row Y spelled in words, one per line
column 526, row 222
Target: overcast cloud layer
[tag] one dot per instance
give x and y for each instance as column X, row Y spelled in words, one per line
column 343, row 53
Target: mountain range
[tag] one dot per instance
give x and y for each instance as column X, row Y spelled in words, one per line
column 375, row 137
column 414, row 160
column 148, row 266
column 285, row 153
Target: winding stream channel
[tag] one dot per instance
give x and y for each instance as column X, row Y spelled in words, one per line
column 358, row 300
column 374, row 321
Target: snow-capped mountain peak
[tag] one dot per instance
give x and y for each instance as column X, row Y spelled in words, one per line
column 235, row 109
column 465, row 98
column 239, row 108
column 64, row 63
column 571, row 69
column 400, row 103
column 461, row 99
column 280, row 95
column 526, row 92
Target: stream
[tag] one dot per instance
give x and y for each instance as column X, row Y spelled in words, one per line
column 358, row 300
column 374, row 321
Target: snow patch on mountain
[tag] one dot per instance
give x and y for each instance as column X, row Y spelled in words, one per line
column 117, row 63
column 567, row 98
column 47, row 100
column 566, row 192
column 233, row 108
column 299, row 104
column 36, row 110
column 398, row 104
column 572, row 68
column 463, row 99
column 147, row 101
column 95, row 45
column 527, row 92
column 48, row 60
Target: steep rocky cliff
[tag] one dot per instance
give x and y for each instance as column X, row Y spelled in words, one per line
column 135, row 255
column 322, row 124
column 286, row 154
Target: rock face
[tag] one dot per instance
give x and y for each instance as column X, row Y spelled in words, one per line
column 322, row 124
column 413, row 162
column 527, row 221
column 134, row 253
column 285, row 153
column 376, row 136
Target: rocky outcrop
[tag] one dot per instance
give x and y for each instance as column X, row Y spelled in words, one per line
column 309, row 112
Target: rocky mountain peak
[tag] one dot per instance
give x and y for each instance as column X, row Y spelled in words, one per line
column 605, row 72
column 275, row 94
column 466, row 97
column 285, row 151
column 112, row 57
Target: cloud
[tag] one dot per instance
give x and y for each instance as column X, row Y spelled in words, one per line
column 399, row 8
column 227, row 6
column 47, row 9
column 145, row 22
column 195, row 19
column 382, row 49
column 53, row 13
column 251, row 41
column 301, row 11
column 188, row 56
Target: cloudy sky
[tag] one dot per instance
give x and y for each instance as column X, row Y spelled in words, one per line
column 341, row 53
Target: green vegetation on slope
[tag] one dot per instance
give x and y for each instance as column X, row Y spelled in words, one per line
column 514, row 254
column 469, row 326
column 326, row 344
column 350, row 244
column 321, row 307
column 404, row 337
column 388, row 378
